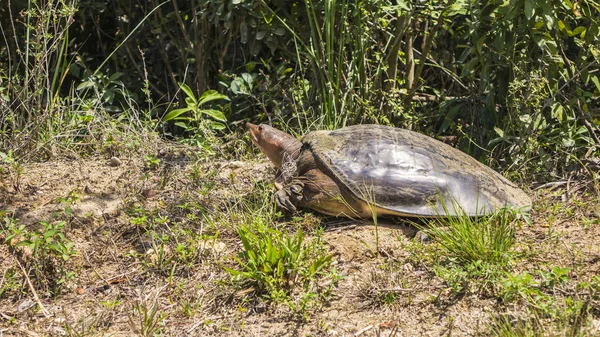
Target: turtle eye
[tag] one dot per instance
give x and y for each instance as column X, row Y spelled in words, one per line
column 260, row 128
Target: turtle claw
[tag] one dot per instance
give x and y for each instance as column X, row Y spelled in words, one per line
column 282, row 199
column 288, row 198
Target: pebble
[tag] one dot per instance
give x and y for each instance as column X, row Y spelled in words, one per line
column 114, row 161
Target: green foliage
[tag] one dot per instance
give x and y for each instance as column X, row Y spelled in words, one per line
column 173, row 248
column 35, row 59
column 44, row 252
column 475, row 251
column 275, row 264
column 147, row 320
column 194, row 120
column 486, row 239
column 10, row 166
column 151, row 162
column 534, row 59
column 476, row 277
column 516, row 77
column 537, row 294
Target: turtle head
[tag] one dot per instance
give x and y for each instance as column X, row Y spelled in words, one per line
column 274, row 143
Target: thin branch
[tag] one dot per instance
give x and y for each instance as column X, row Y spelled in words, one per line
column 35, row 295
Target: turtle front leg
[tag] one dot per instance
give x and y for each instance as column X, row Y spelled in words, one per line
column 288, row 197
column 317, row 191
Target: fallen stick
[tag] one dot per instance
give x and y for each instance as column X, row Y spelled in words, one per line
column 363, row 330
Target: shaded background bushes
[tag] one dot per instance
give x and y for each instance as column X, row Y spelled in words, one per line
column 515, row 84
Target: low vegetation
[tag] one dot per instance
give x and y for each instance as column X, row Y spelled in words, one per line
column 132, row 200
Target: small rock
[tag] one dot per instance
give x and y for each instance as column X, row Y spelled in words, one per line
column 595, row 326
column 148, row 193
column 25, row 305
column 422, row 237
column 235, row 164
column 408, row 267
column 212, row 247
column 114, row 161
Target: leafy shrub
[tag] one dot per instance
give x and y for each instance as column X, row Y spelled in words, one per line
column 193, row 118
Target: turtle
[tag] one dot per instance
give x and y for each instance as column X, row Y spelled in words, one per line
column 362, row 170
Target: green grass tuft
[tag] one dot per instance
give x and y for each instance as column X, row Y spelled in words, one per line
column 486, row 239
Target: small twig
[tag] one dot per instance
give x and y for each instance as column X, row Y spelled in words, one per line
column 6, row 317
column 397, row 290
column 340, row 228
column 363, row 330
column 394, row 331
column 193, row 327
column 552, row 184
column 423, row 97
column 35, row 295
column 577, row 75
column 568, row 189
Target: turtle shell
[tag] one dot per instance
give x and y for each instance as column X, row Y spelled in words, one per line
column 406, row 173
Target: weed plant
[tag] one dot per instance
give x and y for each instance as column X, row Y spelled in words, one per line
column 475, row 251
column 42, row 254
column 273, row 262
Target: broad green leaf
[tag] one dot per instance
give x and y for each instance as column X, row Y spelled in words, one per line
column 591, row 34
column 211, row 95
column 595, row 52
column 50, row 233
column 217, row 126
column 235, row 87
column 539, row 24
column 568, row 142
column 567, row 4
column 55, row 247
column 564, row 28
column 526, row 118
column 499, row 131
column 557, row 111
column 115, row 76
column 260, row 35
column 175, row 113
column 243, row 32
column 403, row 4
column 456, row 9
column 596, row 81
column 247, row 77
column 84, row 85
column 182, row 125
column 188, row 91
column 529, row 8
column 24, row 243
column 578, row 30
